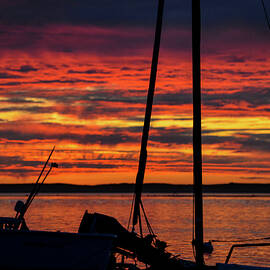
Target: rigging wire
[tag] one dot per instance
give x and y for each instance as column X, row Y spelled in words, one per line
column 147, row 221
column 249, row 239
column 130, row 214
column 241, row 240
column 266, row 14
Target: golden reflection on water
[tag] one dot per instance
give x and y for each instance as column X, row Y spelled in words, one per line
column 226, row 218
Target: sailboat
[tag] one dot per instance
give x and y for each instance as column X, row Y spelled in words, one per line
column 24, row 249
column 149, row 249
column 129, row 244
column 146, row 249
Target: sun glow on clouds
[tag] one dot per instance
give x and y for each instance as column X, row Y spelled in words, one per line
column 83, row 88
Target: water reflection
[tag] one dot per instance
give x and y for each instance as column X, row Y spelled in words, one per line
column 226, row 217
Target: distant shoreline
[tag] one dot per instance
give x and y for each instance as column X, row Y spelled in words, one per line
column 129, row 188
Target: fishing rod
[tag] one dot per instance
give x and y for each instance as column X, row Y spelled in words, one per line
column 53, row 165
column 23, row 208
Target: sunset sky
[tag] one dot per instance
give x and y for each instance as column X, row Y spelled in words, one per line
column 74, row 74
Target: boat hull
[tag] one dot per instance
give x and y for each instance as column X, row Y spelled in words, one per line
column 41, row 250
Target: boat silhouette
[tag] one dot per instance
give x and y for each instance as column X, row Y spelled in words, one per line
column 25, row 249
column 149, row 249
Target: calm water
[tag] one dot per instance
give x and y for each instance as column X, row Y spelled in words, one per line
column 226, row 217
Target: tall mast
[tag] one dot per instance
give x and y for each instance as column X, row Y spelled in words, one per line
column 147, row 118
column 197, row 141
